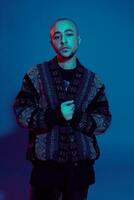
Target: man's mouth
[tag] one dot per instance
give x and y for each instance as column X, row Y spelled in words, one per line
column 65, row 48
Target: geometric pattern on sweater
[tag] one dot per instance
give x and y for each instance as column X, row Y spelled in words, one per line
column 43, row 88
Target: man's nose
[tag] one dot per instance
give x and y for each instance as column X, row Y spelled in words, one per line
column 63, row 39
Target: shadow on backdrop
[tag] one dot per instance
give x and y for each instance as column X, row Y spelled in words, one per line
column 14, row 169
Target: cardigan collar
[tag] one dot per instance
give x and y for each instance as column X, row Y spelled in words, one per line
column 54, row 60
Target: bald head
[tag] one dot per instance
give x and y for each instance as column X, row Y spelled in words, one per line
column 65, row 22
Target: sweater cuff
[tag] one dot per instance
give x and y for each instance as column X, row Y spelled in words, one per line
column 37, row 120
column 83, row 122
column 55, row 117
column 76, row 118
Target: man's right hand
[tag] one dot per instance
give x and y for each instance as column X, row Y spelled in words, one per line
column 67, row 109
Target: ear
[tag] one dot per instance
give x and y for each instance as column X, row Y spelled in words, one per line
column 50, row 41
column 79, row 40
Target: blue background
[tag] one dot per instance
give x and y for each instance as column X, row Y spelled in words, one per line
column 107, row 48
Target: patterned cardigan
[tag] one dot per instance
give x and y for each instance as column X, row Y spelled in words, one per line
column 37, row 108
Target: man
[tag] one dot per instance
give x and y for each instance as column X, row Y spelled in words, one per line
column 63, row 105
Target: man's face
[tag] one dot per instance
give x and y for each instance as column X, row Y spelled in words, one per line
column 64, row 38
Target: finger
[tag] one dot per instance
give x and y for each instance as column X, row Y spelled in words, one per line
column 71, row 105
column 69, row 102
column 72, row 108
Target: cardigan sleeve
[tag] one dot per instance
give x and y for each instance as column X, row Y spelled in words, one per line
column 27, row 110
column 97, row 117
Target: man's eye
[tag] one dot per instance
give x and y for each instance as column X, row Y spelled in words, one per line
column 69, row 34
column 56, row 37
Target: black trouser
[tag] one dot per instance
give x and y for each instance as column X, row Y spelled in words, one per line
column 51, row 194
column 49, row 180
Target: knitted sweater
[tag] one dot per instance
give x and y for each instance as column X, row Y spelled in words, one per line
column 37, row 107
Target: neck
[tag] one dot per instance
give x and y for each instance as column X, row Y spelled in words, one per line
column 67, row 63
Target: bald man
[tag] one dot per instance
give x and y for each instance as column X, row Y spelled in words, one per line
column 64, row 106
